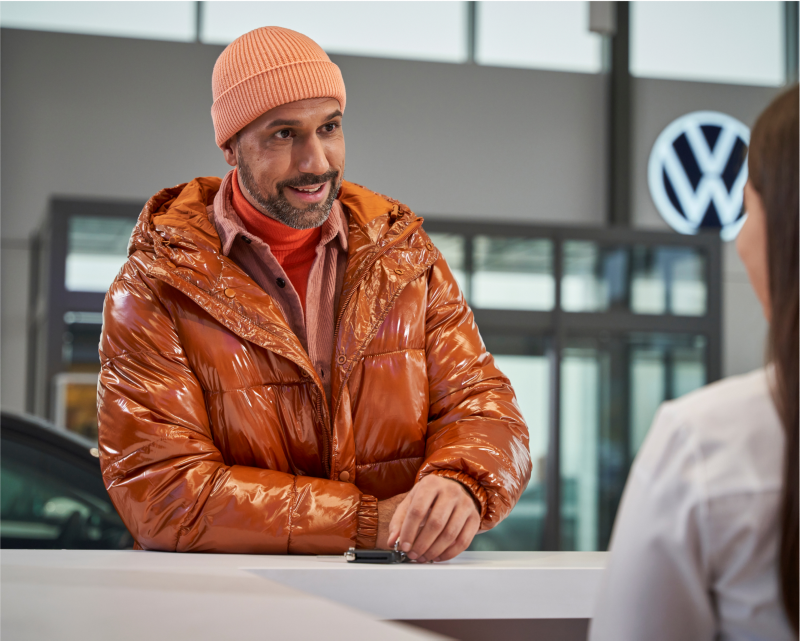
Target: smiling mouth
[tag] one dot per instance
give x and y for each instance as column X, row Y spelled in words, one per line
column 310, row 190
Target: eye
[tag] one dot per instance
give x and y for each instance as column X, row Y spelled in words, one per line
column 283, row 134
column 330, row 127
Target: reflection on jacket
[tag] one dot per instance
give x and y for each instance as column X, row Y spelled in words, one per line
column 215, row 433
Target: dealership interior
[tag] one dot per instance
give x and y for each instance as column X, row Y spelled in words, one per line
column 538, row 140
column 506, row 125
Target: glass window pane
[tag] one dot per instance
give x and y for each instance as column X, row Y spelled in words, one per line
column 735, row 42
column 412, row 30
column 687, row 283
column 688, row 368
column 603, row 382
column 513, row 273
column 149, row 20
column 522, row 359
column 454, row 252
column 581, row 373
column 668, row 280
column 648, row 385
column 96, row 250
column 595, row 278
column 543, row 35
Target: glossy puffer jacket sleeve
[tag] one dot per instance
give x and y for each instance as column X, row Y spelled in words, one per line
column 164, row 473
column 476, row 433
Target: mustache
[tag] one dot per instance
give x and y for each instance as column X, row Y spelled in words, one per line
column 303, row 180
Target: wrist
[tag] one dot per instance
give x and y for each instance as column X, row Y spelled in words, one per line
column 368, row 518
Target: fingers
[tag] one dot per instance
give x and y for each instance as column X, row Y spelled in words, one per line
column 433, row 527
column 449, row 534
column 463, row 540
column 420, row 502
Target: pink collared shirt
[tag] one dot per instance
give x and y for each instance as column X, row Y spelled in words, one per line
column 315, row 328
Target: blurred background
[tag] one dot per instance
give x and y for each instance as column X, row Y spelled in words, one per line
column 521, row 131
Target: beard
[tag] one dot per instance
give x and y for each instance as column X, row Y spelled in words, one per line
column 278, row 207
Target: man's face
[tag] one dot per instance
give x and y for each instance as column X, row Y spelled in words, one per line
column 290, row 161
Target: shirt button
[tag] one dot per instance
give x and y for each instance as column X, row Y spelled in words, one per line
column 246, row 239
column 281, row 283
column 344, row 476
column 398, row 271
column 429, row 246
column 230, row 293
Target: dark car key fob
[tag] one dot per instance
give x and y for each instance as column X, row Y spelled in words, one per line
column 375, row 556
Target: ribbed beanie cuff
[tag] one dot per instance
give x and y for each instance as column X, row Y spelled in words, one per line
column 264, row 69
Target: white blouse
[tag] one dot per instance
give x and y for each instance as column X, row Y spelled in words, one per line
column 695, row 543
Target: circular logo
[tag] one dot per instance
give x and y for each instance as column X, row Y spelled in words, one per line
column 697, row 172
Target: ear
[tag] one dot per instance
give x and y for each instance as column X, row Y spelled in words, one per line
column 229, row 149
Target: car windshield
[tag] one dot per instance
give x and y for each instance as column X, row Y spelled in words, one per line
column 50, row 501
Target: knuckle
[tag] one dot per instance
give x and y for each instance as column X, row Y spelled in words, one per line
column 416, row 512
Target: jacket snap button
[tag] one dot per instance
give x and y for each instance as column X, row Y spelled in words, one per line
column 230, row 293
column 429, row 246
column 344, row 476
column 398, row 271
column 341, row 360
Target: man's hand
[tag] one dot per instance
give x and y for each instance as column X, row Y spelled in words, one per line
column 436, row 521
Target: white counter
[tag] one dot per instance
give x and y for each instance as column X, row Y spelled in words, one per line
column 213, row 596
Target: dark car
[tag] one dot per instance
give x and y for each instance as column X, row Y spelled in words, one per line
column 51, row 490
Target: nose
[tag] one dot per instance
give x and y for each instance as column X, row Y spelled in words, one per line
column 312, row 158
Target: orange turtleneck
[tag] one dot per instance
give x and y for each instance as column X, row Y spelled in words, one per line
column 294, row 249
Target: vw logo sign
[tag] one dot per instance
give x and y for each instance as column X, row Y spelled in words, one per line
column 697, row 172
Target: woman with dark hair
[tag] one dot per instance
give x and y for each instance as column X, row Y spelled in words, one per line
column 705, row 545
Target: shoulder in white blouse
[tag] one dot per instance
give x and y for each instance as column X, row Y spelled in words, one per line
column 694, row 547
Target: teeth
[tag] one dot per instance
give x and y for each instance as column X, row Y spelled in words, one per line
column 309, row 191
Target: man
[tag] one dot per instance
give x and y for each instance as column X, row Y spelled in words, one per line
column 288, row 365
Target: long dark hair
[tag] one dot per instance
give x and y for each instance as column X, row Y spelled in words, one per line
column 773, row 170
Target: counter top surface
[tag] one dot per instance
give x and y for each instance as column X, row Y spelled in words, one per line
column 475, row 585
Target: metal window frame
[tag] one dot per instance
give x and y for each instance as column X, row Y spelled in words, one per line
column 558, row 324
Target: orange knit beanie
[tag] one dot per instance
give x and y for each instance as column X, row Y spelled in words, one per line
column 266, row 68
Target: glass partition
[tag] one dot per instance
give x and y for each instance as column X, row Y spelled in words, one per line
column 668, row 280
column 595, row 278
column 97, row 247
column 524, row 361
column 513, row 273
column 452, row 247
column 608, row 384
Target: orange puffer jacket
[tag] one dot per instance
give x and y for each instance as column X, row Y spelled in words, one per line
column 215, row 433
